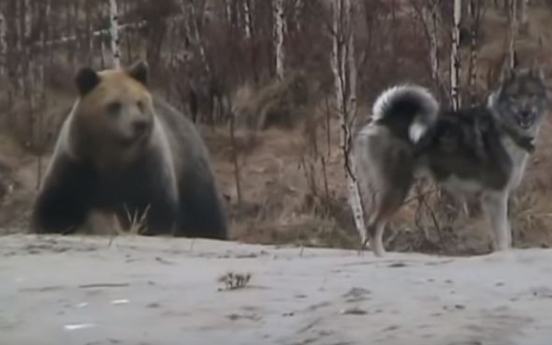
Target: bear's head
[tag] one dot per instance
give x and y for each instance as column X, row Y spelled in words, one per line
column 113, row 119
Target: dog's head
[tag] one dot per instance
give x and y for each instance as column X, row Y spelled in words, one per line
column 521, row 100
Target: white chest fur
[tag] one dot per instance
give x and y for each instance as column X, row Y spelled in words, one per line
column 519, row 161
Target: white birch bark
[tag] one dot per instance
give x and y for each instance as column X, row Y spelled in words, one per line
column 3, row 44
column 344, row 71
column 114, row 31
column 187, row 6
column 475, row 14
column 248, row 18
column 47, row 15
column 19, row 33
column 523, row 12
column 28, row 76
column 97, row 33
column 354, row 191
column 431, row 22
column 228, row 10
column 512, row 32
column 27, row 29
column 336, row 54
column 89, row 31
column 28, row 21
column 26, row 61
column 297, row 14
column 350, row 63
column 455, row 56
column 278, row 7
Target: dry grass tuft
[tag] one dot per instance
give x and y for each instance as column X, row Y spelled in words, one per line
column 135, row 224
column 234, row 281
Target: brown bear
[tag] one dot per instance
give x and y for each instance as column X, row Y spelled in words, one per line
column 121, row 150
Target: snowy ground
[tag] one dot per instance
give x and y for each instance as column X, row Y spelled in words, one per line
column 156, row 291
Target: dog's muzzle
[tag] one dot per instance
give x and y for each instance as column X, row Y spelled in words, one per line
column 526, row 119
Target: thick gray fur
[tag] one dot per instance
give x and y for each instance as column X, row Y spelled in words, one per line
column 480, row 150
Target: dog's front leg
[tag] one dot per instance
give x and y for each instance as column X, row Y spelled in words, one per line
column 495, row 206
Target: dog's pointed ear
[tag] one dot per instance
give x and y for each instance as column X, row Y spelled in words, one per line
column 139, row 71
column 536, row 70
column 507, row 72
column 86, row 80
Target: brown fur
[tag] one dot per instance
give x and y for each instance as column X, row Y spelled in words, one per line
column 104, row 141
column 120, row 150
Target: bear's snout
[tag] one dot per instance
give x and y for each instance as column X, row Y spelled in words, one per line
column 140, row 127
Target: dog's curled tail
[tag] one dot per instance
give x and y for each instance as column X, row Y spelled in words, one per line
column 408, row 110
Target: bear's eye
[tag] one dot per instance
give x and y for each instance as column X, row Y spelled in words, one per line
column 140, row 105
column 114, row 108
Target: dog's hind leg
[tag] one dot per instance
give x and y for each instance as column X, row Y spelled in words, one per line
column 384, row 167
column 495, row 206
column 387, row 202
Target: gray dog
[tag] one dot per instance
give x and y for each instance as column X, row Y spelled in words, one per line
column 481, row 150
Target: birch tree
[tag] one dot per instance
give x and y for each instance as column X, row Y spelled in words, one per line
column 114, row 32
column 26, row 29
column 476, row 9
column 298, row 8
column 278, row 8
column 523, row 13
column 248, row 17
column 188, row 7
column 28, row 19
column 251, row 35
column 228, row 11
column 19, row 12
column 455, row 56
column 512, row 32
column 430, row 20
column 344, row 72
column 3, row 44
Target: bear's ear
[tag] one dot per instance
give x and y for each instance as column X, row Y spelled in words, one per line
column 139, row 71
column 86, row 80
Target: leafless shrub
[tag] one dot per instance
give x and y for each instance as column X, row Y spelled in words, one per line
column 281, row 103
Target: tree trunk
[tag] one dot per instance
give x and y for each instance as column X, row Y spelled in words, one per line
column 455, row 56
column 523, row 13
column 228, row 11
column 247, row 18
column 431, row 22
column 278, row 7
column 194, row 30
column 512, row 32
column 27, row 25
column 297, row 14
column 253, row 48
column 89, row 34
column 344, row 71
column 114, row 31
column 3, row 44
column 20, row 37
column 475, row 14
